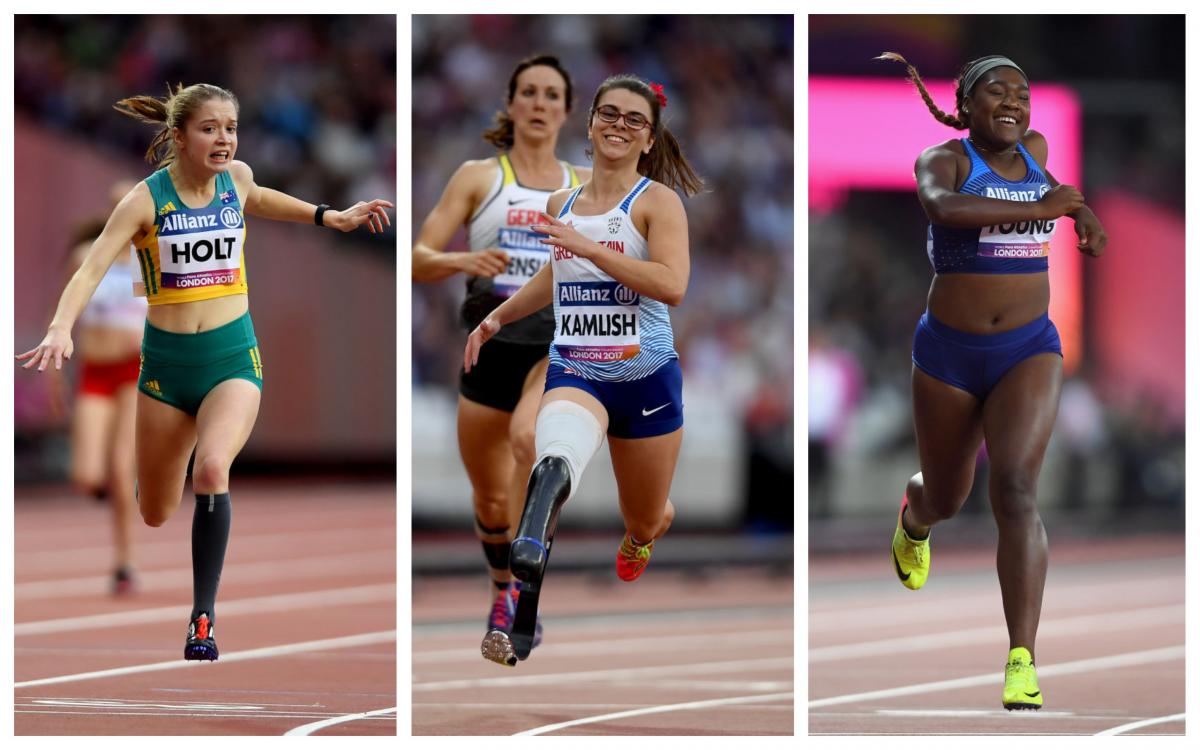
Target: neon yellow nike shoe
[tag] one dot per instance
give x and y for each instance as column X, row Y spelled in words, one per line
column 1021, row 689
column 909, row 556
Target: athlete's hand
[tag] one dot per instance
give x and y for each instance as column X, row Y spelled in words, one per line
column 484, row 331
column 371, row 213
column 1092, row 237
column 487, row 262
column 567, row 237
column 1060, row 200
column 54, row 348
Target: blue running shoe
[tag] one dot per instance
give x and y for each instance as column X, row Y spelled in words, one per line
column 201, row 640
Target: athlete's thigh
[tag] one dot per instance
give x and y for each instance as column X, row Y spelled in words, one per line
column 524, row 417
column 949, row 429
column 578, row 396
column 164, row 443
column 644, row 468
column 1019, row 415
column 91, row 434
column 484, row 447
column 225, row 418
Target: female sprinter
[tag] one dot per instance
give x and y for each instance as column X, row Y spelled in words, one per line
column 498, row 199
column 620, row 256
column 201, row 370
column 987, row 362
column 102, row 423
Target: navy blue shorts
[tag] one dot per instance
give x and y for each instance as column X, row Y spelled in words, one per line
column 636, row 408
column 976, row 362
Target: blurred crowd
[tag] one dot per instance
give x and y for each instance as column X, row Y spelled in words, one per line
column 1117, row 442
column 730, row 90
column 317, row 93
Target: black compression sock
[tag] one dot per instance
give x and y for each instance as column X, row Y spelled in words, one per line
column 210, row 535
column 495, row 543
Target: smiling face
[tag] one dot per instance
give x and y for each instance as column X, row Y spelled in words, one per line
column 616, row 140
column 539, row 105
column 208, row 140
column 998, row 107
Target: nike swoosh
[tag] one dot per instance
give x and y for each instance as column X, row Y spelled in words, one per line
column 1034, row 695
column 903, row 576
column 648, row 413
column 515, row 202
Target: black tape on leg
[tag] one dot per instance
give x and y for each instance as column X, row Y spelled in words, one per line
column 495, row 543
column 549, row 488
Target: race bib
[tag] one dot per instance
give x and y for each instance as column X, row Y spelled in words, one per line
column 598, row 321
column 526, row 256
column 1020, row 239
column 200, row 247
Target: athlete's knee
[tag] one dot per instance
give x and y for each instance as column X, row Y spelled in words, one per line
column 524, row 448
column 154, row 516
column 491, row 508
column 1013, row 493
column 210, row 473
column 569, row 431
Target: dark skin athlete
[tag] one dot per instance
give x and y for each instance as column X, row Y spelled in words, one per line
column 1018, row 415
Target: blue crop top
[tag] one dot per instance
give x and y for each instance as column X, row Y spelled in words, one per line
column 1020, row 247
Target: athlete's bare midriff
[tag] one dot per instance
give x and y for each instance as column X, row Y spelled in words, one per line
column 988, row 303
column 198, row 316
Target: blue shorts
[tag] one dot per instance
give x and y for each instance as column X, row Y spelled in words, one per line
column 976, row 362
column 641, row 408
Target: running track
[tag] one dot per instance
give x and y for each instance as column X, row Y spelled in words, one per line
column 306, row 619
column 1110, row 651
column 670, row 654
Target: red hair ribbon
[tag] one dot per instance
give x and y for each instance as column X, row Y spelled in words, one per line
column 657, row 88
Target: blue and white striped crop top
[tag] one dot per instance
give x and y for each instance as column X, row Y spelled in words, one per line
column 1019, row 247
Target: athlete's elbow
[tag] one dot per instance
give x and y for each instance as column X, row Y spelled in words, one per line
column 674, row 296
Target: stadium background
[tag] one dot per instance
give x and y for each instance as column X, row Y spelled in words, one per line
column 317, row 99
column 1117, row 451
column 729, row 82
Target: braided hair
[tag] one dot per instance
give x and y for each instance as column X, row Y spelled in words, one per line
column 958, row 122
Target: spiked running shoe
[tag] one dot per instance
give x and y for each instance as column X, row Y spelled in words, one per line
column 497, row 642
column 910, row 556
column 632, row 558
column 201, row 641
column 1021, row 691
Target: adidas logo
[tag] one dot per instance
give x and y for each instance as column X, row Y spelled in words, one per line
column 152, row 385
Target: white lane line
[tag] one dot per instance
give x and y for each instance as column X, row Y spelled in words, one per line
column 280, row 602
column 307, row 729
column 257, row 572
column 1136, row 618
column 775, row 663
column 364, row 639
column 657, row 710
column 603, row 646
column 1135, row 658
column 1139, row 724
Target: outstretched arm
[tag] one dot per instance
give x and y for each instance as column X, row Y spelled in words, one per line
column 533, row 296
column 127, row 219
column 272, row 204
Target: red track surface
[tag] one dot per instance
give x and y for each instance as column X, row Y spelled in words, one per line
column 304, row 565
column 724, row 643
column 1109, row 649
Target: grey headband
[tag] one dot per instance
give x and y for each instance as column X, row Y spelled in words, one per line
column 983, row 65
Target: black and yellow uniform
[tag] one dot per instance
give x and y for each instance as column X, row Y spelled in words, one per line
column 194, row 254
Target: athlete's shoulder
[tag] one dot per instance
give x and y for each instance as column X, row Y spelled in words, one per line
column 950, row 148
column 1035, row 143
column 658, row 196
column 556, row 200
column 241, row 171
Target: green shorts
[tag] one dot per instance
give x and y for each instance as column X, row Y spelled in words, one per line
column 181, row 368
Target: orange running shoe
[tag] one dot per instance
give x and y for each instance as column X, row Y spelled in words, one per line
column 632, row 558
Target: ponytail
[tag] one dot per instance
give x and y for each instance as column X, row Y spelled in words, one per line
column 959, row 122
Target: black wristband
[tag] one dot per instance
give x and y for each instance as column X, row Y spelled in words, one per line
column 320, row 216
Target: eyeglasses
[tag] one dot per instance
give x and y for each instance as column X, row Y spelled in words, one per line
column 633, row 120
